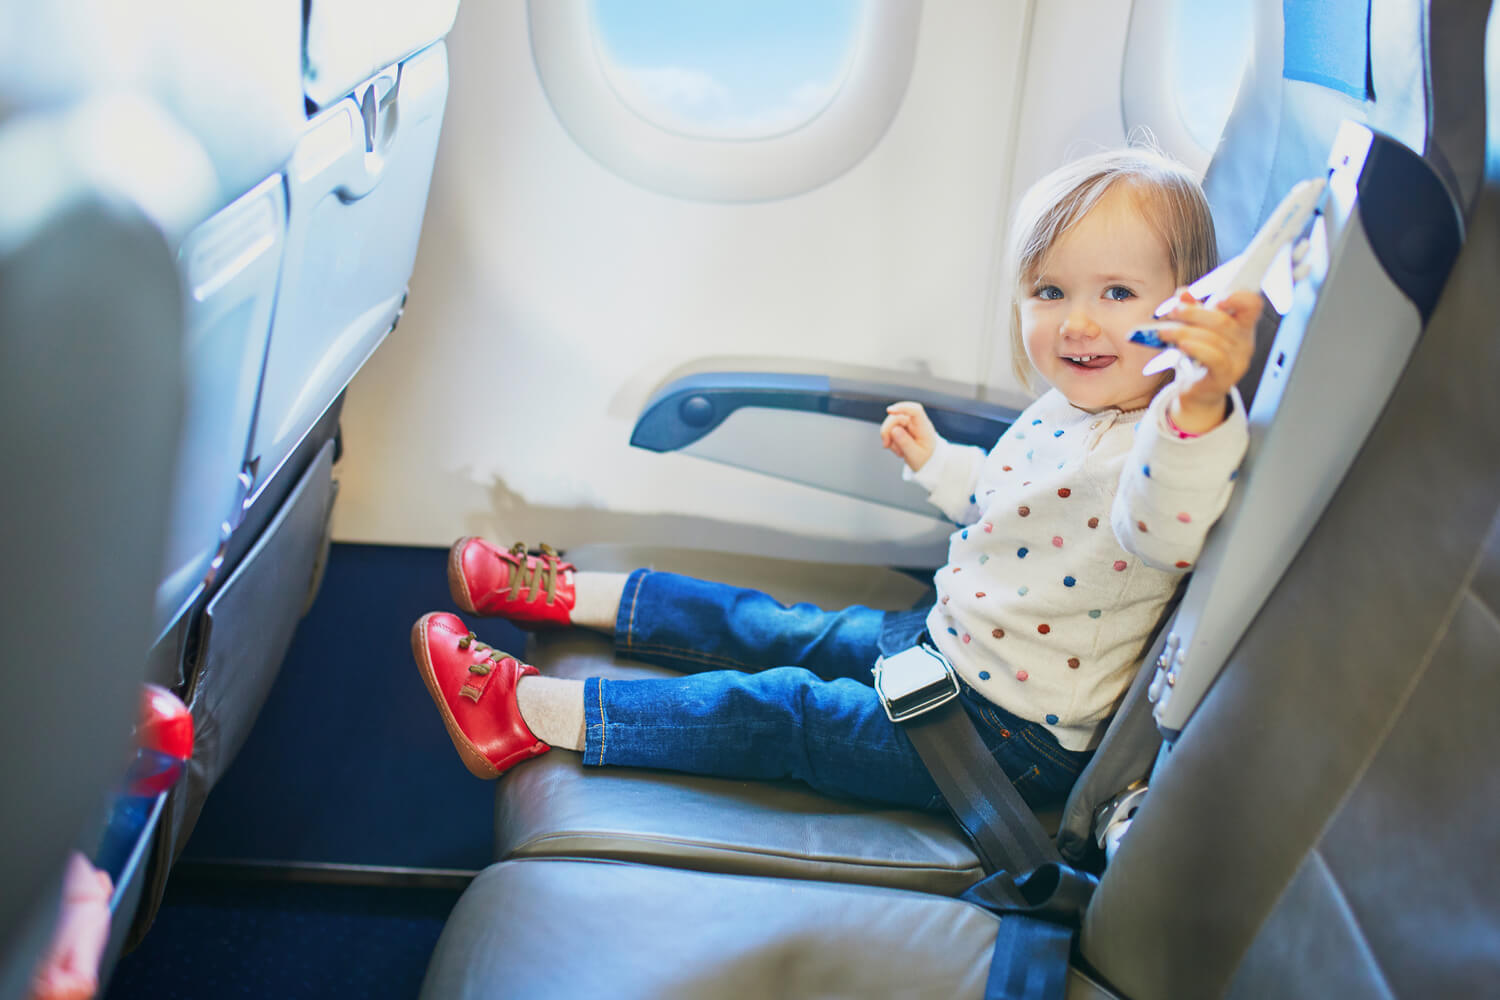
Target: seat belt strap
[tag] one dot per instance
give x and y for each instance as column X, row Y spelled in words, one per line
column 1030, row 960
column 1039, row 913
column 981, row 796
column 1040, row 908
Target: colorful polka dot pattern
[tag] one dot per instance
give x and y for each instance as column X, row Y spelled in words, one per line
column 1058, row 542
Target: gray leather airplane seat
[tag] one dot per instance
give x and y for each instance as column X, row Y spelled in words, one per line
column 1291, row 125
column 292, row 286
column 1318, row 826
column 563, row 928
column 297, row 282
column 91, row 401
column 1324, row 823
column 558, row 808
column 281, row 151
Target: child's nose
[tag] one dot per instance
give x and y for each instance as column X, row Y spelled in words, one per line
column 1079, row 324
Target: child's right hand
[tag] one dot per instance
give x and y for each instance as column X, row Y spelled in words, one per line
column 908, row 431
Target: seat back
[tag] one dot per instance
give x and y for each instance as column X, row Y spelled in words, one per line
column 356, row 184
column 90, row 404
column 1323, row 824
column 1381, row 250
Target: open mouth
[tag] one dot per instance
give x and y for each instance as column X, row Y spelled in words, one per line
column 1089, row 361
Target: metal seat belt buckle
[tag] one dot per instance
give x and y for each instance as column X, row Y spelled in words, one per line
column 914, row 681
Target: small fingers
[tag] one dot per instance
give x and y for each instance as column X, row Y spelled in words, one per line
column 1243, row 306
column 901, row 442
column 1225, row 360
column 1208, row 317
column 1178, row 298
column 892, row 423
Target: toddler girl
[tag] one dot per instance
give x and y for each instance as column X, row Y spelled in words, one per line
column 1073, row 532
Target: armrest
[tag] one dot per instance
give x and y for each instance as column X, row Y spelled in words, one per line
column 779, row 424
column 691, row 407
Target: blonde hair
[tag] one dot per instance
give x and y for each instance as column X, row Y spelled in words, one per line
column 1167, row 194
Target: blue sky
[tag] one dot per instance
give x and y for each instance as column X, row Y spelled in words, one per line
column 747, row 64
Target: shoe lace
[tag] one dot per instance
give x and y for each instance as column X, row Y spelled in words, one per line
column 530, row 571
column 493, row 658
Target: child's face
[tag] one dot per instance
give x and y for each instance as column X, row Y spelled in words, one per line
column 1100, row 282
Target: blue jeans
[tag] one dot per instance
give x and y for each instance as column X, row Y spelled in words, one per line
column 743, row 712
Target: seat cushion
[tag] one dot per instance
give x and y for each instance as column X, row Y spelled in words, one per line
column 555, row 807
column 575, row 928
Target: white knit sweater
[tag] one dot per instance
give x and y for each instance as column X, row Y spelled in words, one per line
column 1074, row 530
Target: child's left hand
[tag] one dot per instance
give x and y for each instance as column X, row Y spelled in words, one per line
column 1221, row 338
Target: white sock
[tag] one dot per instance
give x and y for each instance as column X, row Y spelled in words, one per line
column 552, row 708
column 596, row 600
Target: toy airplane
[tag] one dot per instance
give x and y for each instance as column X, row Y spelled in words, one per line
column 1270, row 261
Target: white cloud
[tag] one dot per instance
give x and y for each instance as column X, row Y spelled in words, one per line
column 695, row 101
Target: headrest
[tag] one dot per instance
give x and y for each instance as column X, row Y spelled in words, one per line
column 1410, row 73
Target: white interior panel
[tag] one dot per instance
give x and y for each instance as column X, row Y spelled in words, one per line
column 551, row 297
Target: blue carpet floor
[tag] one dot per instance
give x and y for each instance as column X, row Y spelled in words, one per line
column 349, row 761
column 288, row 941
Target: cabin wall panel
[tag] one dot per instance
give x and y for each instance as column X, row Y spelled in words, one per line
column 550, row 297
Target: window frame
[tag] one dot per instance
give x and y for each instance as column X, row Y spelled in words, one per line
column 604, row 124
column 1149, row 97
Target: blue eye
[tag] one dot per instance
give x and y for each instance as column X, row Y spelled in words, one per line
column 1049, row 292
column 1119, row 293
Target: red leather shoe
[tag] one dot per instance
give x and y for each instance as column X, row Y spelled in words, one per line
column 532, row 591
column 475, row 690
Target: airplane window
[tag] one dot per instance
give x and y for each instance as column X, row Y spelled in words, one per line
column 1182, row 70
column 730, row 101
column 1210, row 46
column 733, row 69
